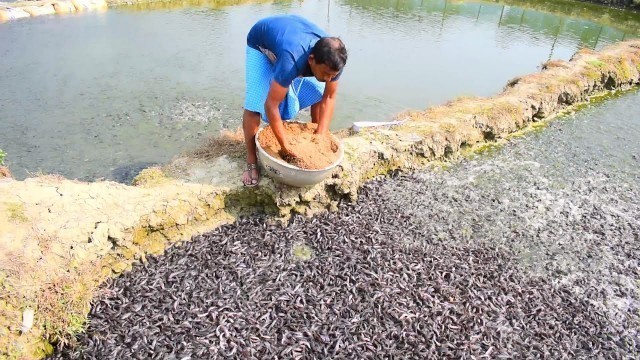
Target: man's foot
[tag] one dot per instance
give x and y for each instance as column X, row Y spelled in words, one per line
column 251, row 176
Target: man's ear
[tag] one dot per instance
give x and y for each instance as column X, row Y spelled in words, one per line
column 312, row 58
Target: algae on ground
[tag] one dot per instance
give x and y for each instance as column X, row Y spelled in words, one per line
column 16, row 212
column 150, row 177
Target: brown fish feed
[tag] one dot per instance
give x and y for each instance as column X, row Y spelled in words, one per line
column 313, row 151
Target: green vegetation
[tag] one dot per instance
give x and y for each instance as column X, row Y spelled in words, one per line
column 16, row 212
column 597, row 64
column 147, row 5
column 624, row 70
column 3, row 155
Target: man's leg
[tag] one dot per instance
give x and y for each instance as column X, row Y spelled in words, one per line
column 250, row 126
column 258, row 74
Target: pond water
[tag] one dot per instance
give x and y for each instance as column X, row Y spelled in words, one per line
column 101, row 95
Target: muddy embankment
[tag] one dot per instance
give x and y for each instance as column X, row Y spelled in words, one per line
column 60, row 239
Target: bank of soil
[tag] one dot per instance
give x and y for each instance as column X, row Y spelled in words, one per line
column 312, row 151
column 60, row 239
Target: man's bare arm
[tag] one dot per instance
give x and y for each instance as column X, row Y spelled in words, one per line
column 276, row 94
column 327, row 105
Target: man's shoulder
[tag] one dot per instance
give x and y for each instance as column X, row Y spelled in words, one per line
column 292, row 22
column 287, row 18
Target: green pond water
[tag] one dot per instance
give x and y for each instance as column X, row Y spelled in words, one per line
column 101, row 95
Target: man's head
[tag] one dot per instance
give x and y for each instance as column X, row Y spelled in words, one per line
column 327, row 58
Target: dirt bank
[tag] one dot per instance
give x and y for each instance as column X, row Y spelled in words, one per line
column 313, row 152
column 59, row 239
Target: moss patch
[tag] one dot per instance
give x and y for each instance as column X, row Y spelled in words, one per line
column 624, row 70
column 598, row 64
column 16, row 212
column 150, row 177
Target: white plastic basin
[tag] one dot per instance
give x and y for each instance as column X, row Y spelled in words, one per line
column 286, row 173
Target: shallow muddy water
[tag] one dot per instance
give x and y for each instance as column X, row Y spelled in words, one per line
column 101, row 95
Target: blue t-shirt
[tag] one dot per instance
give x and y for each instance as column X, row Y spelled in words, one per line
column 287, row 40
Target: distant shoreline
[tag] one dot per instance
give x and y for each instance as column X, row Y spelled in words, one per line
column 15, row 10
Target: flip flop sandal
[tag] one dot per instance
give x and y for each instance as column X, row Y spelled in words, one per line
column 250, row 168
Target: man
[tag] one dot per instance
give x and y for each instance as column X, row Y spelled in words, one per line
column 291, row 64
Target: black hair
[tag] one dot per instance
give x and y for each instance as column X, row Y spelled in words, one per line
column 331, row 52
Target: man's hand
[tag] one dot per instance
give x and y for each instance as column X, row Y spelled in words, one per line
column 289, row 156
